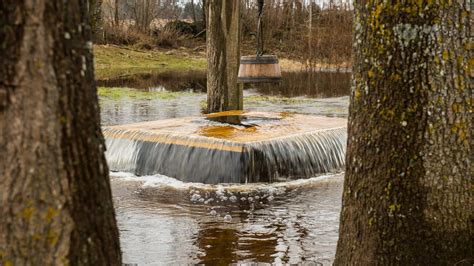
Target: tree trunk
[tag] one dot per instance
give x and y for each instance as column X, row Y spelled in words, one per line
column 193, row 11
column 204, row 13
column 408, row 188
column 146, row 16
column 56, row 205
column 310, row 35
column 95, row 15
column 140, row 12
column 223, row 45
column 116, row 14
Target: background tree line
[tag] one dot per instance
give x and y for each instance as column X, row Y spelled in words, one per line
column 316, row 34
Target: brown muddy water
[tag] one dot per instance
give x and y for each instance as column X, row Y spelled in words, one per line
column 164, row 221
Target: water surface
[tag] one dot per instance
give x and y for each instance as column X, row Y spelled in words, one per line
column 163, row 221
column 184, row 94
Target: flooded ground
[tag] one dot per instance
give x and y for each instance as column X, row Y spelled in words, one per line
column 166, row 221
column 172, row 95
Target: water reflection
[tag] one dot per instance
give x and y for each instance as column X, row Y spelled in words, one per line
column 308, row 94
column 164, row 222
column 294, row 84
column 223, row 246
column 190, row 81
column 309, row 84
column 129, row 110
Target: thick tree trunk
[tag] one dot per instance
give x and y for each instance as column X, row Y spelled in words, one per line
column 408, row 188
column 56, row 205
column 223, row 43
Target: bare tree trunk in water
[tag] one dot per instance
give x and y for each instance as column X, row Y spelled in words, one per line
column 408, row 188
column 223, row 45
column 56, row 204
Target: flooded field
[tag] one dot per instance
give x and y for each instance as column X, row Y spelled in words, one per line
column 172, row 95
column 166, row 221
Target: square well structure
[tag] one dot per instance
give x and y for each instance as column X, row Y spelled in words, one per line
column 230, row 147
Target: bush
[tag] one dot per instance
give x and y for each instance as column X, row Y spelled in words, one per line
column 185, row 28
column 122, row 36
column 167, row 37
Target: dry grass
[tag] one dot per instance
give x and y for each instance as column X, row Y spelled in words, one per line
column 113, row 61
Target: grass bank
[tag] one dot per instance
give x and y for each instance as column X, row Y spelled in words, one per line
column 112, row 61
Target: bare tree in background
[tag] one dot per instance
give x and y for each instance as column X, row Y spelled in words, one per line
column 95, row 15
column 193, row 10
column 116, row 13
column 144, row 11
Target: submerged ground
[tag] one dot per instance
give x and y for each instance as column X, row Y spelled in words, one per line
column 165, row 221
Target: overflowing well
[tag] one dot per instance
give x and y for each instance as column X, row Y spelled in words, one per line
column 230, row 147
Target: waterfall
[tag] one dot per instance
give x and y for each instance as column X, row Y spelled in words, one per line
column 218, row 151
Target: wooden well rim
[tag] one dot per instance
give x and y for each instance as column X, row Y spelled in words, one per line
column 262, row 59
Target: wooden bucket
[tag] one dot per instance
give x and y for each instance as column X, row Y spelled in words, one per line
column 255, row 69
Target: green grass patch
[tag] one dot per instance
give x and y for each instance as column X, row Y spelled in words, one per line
column 117, row 93
column 112, row 61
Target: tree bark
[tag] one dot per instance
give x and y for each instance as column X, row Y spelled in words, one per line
column 310, row 33
column 95, row 15
column 223, row 53
column 204, row 13
column 407, row 196
column 56, row 205
column 116, row 14
column 193, row 11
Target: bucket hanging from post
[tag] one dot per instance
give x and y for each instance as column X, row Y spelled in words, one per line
column 259, row 68
column 263, row 68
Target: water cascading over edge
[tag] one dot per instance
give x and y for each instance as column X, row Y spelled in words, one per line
column 250, row 147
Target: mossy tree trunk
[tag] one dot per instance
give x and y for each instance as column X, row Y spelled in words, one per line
column 223, row 54
column 407, row 196
column 55, row 197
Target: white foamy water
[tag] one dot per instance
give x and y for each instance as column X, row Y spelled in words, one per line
column 163, row 181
